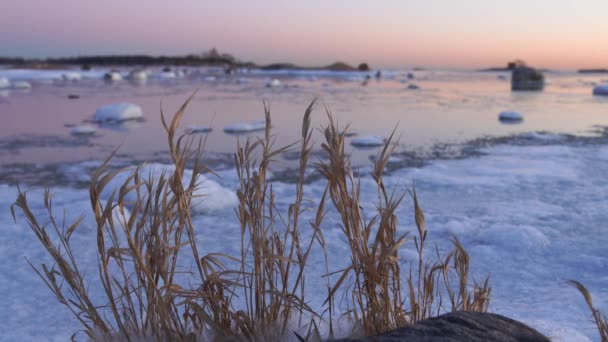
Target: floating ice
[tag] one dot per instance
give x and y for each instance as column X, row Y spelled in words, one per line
column 368, row 141
column 4, row 83
column 118, row 112
column 112, row 76
column 71, row 76
column 84, row 129
column 273, row 84
column 601, row 90
column 510, row 116
column 209, row 195
column 246, row 127
column 165, row 75
column 21, row 85
column 210, row 79
column 197, row 129
column 138, row 75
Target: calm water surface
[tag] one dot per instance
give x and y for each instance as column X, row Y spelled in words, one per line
column 448, row 107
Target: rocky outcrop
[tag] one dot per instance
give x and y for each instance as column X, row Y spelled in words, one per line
column 462, row 327
column 527, row 78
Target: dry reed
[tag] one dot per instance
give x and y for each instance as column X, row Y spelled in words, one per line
column 138, row 253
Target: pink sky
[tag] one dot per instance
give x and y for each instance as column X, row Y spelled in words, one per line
column 465, row 33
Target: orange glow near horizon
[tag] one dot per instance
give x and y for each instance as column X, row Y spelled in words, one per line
column 559, row 34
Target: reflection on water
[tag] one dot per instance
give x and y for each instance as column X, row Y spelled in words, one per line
column 449, row 106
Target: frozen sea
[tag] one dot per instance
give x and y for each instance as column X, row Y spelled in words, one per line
column 528, row 200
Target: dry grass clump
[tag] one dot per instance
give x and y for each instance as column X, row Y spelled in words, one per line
column 599, row 319
column 148, row 296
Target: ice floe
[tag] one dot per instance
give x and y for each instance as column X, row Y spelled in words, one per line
column 84, row 129
column 118, row 112
column 246, row 127
column 273, row 84
column 510, row 116
column 71, row 76
column 112, row 76
column 193, row 129
column 138, row 75
column 4, row 83
column 21, row 85
column 368, row 141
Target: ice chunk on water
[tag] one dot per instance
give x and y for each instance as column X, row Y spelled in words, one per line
column 273, row 84
column 84, row 129
column 22, row 85
column 246, row 127
column 368, row 141
column 71, row 76
column 138, row 75
column 118, row 112
column 112, row 76
column 510, row 116
column 193, row 129
column 4, row 83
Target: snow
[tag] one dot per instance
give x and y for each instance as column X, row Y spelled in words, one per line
column 193, row 129
column 208, row 197
column 246, row 127
column 4, row 83
column 21, row 85
column 118, row 112
column 510, row 116
column 601, row 90
column 532, row 216
column 368, row 141
column 84, row 129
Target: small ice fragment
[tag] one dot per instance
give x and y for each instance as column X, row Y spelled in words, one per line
column 118, row 112
column 273, row 84
column 112, row 76
column 246, row 127
column 22, row 85
column 71, row 76
column 84, row 129
column 138, row 75
column 197, row 129
column 368, row 141
column 4, row 83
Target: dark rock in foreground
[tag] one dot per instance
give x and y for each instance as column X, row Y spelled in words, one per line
column 462, row 327
column 526, row 78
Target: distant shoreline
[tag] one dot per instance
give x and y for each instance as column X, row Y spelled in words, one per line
column 211, row 59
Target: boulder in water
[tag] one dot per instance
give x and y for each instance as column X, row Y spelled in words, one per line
column 601, row 90
column 462, row 327
column 510, row 116
column 527, row 78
